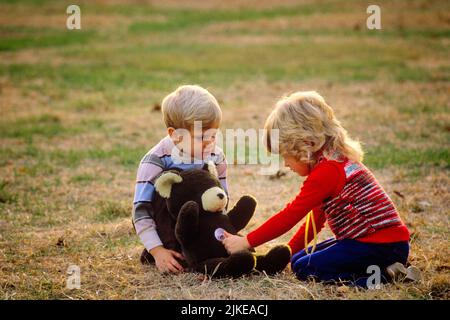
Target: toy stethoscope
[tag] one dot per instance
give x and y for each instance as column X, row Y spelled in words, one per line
column 310, row 217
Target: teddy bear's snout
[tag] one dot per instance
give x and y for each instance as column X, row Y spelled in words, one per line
column 214, row 200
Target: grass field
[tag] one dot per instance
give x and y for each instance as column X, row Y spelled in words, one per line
column 78, row 113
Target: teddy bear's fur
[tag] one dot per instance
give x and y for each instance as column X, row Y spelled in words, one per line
column 196, row 201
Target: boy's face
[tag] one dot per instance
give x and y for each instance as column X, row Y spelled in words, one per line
column 204, row 140
column 299, row 167
column 197, row 141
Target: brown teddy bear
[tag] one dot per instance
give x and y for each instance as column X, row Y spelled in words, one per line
column 196, row 204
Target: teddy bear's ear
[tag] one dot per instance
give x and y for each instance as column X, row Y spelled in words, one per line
column 163, row 184
column 211, row 167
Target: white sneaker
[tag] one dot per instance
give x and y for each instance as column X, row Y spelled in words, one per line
column 398, row 272
column 413, row 274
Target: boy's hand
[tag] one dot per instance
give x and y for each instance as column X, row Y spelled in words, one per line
column 235, row 243
column 166, row 261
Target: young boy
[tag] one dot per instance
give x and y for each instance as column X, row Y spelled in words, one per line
column 192, row 116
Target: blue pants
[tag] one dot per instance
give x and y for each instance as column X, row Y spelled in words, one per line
column 347, row 260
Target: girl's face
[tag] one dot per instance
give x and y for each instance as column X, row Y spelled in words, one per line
column 299, row 167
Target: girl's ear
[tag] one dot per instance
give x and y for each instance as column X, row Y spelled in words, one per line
column 163, row 184
column 211, row 167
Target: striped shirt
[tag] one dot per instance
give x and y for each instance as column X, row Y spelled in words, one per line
column 362, row 207
column 164, row 156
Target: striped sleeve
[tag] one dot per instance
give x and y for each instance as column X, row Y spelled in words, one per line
column 149, row 169
column 146, row 228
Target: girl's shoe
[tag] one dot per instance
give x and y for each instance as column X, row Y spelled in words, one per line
column 413, row 274
column 398, row 272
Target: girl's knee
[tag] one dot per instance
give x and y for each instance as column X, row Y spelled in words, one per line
column 299, row 267
column 297, row 256
column 303, row 274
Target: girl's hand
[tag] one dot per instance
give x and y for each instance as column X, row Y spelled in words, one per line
column 235, row 243
column 166, row 261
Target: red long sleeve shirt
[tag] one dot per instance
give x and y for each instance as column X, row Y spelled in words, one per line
column 325, row 181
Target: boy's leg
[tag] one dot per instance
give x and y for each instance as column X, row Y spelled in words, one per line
column 348, row 260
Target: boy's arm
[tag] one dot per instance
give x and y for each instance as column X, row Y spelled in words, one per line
column 150, row 167
column 145, row 225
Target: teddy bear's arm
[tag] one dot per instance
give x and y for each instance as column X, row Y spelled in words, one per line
column 187, row 223
column 242, row 212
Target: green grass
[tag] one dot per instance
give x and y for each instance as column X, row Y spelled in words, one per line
column 111, row 210
column 424, row 108
column 6, row 196
column 390, row 155
column 118, row 154
column 169, row 59
column 182, row 19
column 83, row 179
column 47, row 126
column 152, row 67
column 19, row 38
column 359, row 33
column 37, row 162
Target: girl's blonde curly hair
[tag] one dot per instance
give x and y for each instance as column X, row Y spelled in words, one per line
column 307, row 126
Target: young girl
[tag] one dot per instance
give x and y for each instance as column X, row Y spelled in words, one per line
column 339, row 190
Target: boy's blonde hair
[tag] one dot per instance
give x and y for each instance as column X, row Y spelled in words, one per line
column 306, row 125
column 190, row 103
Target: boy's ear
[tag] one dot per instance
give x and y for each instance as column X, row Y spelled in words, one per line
column 172, row 132
column 211, row 167
column 163, row 184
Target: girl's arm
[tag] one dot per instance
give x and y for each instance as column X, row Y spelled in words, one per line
column 326, row 180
